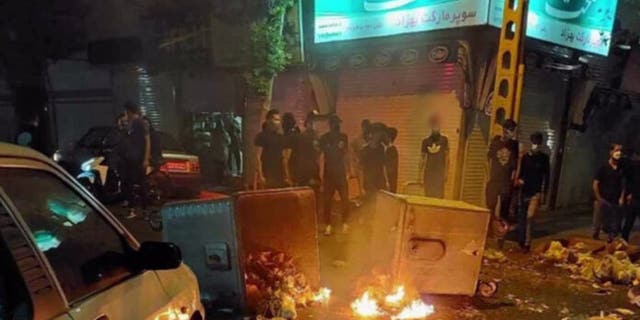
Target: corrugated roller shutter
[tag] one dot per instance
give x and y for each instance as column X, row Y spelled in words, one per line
column 473, row 177
column 396, row 96
column 543, row 102
column 409, row 114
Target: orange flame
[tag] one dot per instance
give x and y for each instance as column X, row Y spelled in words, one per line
column 417, row 310
column 322, row 296
column 366, row 307
column 395, row 298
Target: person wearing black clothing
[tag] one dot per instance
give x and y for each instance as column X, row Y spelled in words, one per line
column 137, row 158
column 291, row 135
column 392, row 159
column 306, row 156
column 608, row 188
column 633, row 194
column 434, row 163
column 335, row 147
column 503, row 159
column 533, row 181
column 270, row 159
column 373, row 161
column 29, row 134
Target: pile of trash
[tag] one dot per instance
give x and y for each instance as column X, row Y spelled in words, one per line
column 493, row 255
column 613, row 265
column 276, row 288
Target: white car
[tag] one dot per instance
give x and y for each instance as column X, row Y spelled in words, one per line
column 64, row 256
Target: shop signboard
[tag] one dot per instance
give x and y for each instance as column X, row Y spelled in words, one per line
column 337, row 20
column 580, row 24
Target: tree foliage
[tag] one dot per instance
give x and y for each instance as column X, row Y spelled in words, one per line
column 268, row 47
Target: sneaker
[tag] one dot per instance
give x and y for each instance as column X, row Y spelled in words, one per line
column 345, row 228
column 327, row 231
column 131, row 215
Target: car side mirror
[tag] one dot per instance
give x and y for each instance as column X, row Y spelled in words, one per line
column 159, row 256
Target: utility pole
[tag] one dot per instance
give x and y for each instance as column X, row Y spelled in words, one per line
column 507, row 94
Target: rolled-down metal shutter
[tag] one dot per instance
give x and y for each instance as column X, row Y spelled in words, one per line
column 473, row 177
column 543, row 102
column 396, row 96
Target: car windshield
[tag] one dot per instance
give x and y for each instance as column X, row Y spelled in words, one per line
column 169, row 143
column 95, row 137
column 85, row 251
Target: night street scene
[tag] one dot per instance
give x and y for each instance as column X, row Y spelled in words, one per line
column 319, row 159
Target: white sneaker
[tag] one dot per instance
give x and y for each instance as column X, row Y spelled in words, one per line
column 345, row 228
column 327, row 231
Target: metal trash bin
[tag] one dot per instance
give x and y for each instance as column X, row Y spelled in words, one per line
column 433, row 245
column 205, row 231
column 216, row 235
column 283, row 220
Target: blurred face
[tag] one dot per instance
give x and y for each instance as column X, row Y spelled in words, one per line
column 616, row 153
column 509, row 134
column 276, row 122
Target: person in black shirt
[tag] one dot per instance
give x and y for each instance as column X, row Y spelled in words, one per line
column 533, row 181
column 434, row 163
column 373, row 160
column 335, row 148
column 608, row 188
column 137, row 158
column 306, row 163
column 502, row 161
column 633, row 194
column 291, row 134
column 270, row 160
column 392, row 161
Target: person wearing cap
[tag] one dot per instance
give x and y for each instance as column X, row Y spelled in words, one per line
column 334, row 146
column 502, row 160
column 434, row 163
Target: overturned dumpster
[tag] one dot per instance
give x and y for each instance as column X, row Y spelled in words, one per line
column 222, row 237
column 434, row 245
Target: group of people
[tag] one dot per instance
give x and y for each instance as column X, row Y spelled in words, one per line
column 288, row 156
column 518, row 182
column 616, row 188
column 218, row 145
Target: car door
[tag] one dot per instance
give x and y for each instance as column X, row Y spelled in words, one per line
column 27, row 291
column 86, row 249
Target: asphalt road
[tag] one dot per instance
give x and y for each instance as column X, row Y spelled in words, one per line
column 529, row 288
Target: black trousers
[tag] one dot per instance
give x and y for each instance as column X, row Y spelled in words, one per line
column 496, row 192
column 331, row 185
column 631, row 214
column 135, row 184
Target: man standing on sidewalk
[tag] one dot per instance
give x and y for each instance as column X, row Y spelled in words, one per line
column 608, row 188
column 335, row 148
column 434, row 163
column 270, row 155
column 633, row 195
column 533, row 181
column 502, row 161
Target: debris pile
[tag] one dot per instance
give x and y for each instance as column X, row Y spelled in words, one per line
column 276, row 288
column 494, row 255
column 612, row 266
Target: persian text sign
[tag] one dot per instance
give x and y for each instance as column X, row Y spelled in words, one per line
column 580, row 24
column 337, row 20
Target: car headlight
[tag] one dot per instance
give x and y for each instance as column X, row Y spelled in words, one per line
column 57, row 156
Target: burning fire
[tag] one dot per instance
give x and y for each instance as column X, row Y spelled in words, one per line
column 322, row 296
column 415, row 311
column 395, row 298
column 366, row 307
